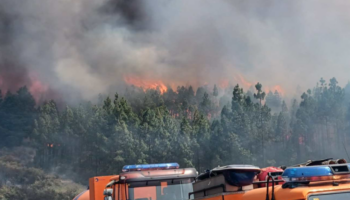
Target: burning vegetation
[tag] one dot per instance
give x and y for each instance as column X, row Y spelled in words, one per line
column 199, row 127
column 94, row 85
column 146, row 84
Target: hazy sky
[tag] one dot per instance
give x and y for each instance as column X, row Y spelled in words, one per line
column 80, row 48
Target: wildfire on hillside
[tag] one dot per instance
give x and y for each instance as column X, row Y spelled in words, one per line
column 40, row 90
column 157, row 84
column 244, row 82
column 146, row 84
column 224, row 84
column 37, row 88
column 248, row 85
column 277, row 88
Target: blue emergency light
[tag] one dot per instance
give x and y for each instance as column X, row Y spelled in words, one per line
column 317, row 173
column 145, row 167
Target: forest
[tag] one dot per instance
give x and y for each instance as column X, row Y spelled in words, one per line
column 202, row 128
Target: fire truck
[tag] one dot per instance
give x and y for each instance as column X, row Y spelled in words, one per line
column 143, row 182
column 314, row 180
column 167, row 181
column 321, row 180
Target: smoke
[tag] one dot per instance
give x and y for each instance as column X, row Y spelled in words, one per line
column 81, row 48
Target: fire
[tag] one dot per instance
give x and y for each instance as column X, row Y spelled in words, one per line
column 34, row 85
column 157, row 84
column 277, row 88
column 37, row 88
column 224, row 84
column 146, row 84
column 244, row 82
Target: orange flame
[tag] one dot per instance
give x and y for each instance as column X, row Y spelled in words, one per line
column 146, row 84
column 159, row 85
column 224, row 84
column 277, row 88
column 244, row 82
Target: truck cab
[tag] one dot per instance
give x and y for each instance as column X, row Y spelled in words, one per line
column 323, row 182
column 96, row 187
column 151, row 182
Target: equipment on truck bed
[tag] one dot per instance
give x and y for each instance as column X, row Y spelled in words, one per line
column 230, row 179
column 328, row 161
column 325, row 181
column 265, row 173
column 304, row 175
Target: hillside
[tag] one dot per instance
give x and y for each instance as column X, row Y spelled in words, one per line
column 201, row 128
column 18, row 180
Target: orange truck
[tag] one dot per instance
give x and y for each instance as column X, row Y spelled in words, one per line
column 314, row 180
column 96, row 187
column 330, row 181
column 143, row 182
column 326, row 180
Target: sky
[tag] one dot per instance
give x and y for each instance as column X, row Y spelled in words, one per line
column 77, row 49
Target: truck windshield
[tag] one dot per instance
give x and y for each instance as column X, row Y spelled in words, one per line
column 331, row 196
column 175, row 189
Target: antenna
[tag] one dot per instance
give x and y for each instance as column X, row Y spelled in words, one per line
column 346, row 150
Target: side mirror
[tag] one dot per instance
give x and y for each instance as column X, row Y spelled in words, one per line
column 108, row 192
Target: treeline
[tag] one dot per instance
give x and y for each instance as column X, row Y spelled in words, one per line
column 202, row 128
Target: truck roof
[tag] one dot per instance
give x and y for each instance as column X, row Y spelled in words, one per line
column 148, row 175
column 301, row 192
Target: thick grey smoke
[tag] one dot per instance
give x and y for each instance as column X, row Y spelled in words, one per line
column 81, row 48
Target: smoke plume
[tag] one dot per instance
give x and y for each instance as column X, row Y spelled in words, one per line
column 80, row 48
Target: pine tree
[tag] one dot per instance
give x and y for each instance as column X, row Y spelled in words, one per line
column 190, row 95
column 184, row 144
column 282, row 131
column 347, row 93
column 107, row 105
column 199, row 94
column 215, row 91
column 16, row 117
column 68, row 139
column 304, row 125
column 206, row 104
column 46, row 133
column 260, row 95
column 201, row 134
column 1, row 98
column 273, row 100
